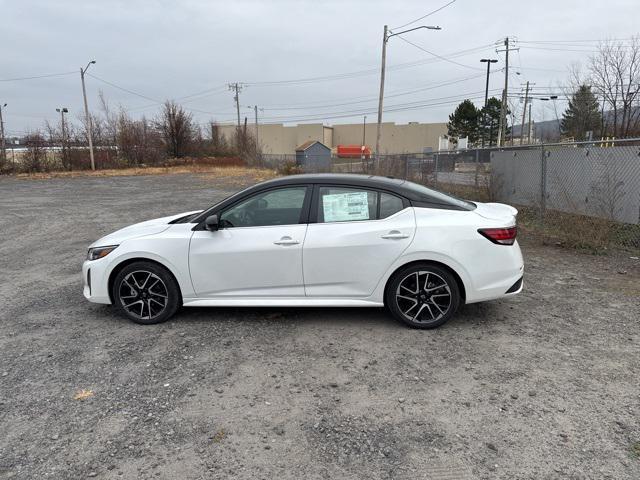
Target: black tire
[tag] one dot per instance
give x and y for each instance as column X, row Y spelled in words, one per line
column 149, row 287
column 418, row 306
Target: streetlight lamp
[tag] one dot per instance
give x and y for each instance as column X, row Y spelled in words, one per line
column 385, row 39
column 86, row 113
column 488, row 61
column 4, row 151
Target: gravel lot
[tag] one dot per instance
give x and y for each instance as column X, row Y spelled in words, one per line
column 542, row 386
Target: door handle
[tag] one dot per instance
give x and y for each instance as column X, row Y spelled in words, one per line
column 286, row 241
column 394, row 235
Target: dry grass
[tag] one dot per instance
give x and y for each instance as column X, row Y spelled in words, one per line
column 207, row 170
column 83, row 394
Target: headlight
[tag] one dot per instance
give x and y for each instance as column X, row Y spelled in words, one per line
column 99, row 252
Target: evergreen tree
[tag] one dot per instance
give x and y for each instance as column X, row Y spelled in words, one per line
column 582, row 114
column 463, row 122
column 490, row 121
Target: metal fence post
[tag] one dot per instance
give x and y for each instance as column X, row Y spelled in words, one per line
column 543, row 183
column 435, row 170
column 406, row 167
column 477, row 167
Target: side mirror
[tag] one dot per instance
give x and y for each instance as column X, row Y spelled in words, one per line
column 211, row 223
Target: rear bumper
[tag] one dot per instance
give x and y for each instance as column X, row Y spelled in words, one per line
column 501, row 276
column 95, row 281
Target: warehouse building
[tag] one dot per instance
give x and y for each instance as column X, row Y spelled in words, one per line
column 413, row 137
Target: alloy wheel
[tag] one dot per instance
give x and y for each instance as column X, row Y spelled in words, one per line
column 143, row 295
column 423, row 297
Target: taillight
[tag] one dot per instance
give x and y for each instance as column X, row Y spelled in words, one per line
column 501, row 236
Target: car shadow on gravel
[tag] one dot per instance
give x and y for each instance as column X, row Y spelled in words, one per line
column 485, row 313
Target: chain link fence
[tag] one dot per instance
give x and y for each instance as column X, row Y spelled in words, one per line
column 586, row 194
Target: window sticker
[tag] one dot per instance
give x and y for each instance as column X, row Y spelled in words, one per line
column 342, row 207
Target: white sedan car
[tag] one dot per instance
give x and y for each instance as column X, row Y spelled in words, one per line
column 310, row 241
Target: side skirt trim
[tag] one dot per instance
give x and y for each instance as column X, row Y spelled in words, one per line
column 279, row 302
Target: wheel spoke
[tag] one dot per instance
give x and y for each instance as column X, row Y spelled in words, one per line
column 408, row 289
column 433, row 317
column 156, row 301
column 426, row 282
column 157, row 294
column 129, row 285
column 146, row 280
column 406, row 298
column 438, row 307
column 419, row 311
column 406, row 312
column 132, row 303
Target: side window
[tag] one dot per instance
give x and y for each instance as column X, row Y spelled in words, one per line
column 274, row 207
column 389, row 204
column 338, row 204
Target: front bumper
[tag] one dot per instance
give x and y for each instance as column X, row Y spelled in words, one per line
column 96, row 279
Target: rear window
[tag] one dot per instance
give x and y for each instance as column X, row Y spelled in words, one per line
column 434, row 196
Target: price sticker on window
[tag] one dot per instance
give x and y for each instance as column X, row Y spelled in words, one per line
column 342, row 207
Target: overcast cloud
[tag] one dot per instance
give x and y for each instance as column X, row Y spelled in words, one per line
column 171, row 49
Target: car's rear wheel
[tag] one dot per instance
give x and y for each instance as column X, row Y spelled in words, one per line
column 423, row 295
column 145, row 293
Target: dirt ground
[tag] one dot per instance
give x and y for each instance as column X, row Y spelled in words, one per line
column 545, row 385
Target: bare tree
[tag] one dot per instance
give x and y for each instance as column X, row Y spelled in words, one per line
column 34, row 160
column 615, row 75
column 177, row 129
column 111, row 119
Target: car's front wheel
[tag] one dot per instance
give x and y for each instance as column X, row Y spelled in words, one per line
column 423, row 295
column 145, row 293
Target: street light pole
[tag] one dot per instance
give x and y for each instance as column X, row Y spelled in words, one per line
column 86, row 114
column 488, row 61
column 62, row 111
column 385, row 39
column 4, row 151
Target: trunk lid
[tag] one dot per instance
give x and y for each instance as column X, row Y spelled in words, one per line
column 497, row 211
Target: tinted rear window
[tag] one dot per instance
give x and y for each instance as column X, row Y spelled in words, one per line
column 435, row 196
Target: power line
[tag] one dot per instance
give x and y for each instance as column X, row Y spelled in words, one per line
column 373, row 98
column 37, row 76
column 374, row 71
column 123, row 89
column 390, row 108
column 438, row 56
column 427, row 15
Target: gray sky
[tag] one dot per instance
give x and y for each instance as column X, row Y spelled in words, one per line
column 172, row 49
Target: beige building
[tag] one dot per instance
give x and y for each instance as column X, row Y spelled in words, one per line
column 409, row 138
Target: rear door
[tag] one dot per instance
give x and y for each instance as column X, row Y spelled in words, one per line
column 358, row 233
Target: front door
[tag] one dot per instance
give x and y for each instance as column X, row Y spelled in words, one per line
column 257, row 251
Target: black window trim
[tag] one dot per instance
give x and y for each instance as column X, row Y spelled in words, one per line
column 313, row 214
column 234, row 200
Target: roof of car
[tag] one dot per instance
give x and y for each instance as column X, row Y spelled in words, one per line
column 409, row 190
column 372, row 181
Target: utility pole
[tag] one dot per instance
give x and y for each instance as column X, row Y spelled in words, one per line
column 236, row 88
column 488, row 61
column 364, row 131
column 255, row 111
column 385, row 38
column 380, row 100
column 529, row 135
column 87, row 117
column 502, row 126
column 524, row 112
column 4, row 148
